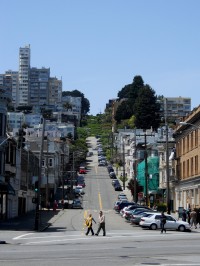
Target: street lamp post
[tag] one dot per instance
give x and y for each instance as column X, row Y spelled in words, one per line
column 167, row 160
column 123, row 165
column 146, row 169
column 38, row 204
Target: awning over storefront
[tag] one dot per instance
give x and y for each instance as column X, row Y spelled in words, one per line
column 6, row 188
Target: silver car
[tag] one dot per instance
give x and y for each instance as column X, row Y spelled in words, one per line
column 153, row 222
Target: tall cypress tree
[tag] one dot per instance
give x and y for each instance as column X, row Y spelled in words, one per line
column 146, row 109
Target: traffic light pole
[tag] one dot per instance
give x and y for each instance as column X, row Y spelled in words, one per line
column 38, row 204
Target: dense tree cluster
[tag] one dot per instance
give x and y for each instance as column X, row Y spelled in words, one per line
column 138, row 100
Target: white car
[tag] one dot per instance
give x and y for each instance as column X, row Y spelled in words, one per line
column 153, row 222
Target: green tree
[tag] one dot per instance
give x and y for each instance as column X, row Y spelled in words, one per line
column 146, row 109
column 130, row 92
column 124, row 111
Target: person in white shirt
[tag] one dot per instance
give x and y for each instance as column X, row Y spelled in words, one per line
column 101, row 224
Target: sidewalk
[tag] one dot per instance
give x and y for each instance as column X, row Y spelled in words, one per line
column 126, row 191
column 26, row 222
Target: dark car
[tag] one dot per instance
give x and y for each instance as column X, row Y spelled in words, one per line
column 122, row 205
column 118, row 187
column 81, row 183
column 76, row 204
column 110, row 169
column 115, row 182
column 112, row 175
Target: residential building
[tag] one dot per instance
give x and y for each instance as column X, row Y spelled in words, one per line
column 39, row 86
column 187, row 137
column 9, row 82
column 24, row 76
column 175, row 107
column 15, row 120
column 55, row 91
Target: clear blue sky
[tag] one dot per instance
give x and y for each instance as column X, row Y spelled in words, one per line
column 98, row 46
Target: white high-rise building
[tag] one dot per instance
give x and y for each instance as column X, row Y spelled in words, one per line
column 24, row 72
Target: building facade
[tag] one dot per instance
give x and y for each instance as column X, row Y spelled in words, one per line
column 24, row 76
column 39, row 86
column 187, row 136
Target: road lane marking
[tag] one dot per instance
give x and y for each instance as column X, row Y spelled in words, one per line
column 22, row 236
column 100, row 201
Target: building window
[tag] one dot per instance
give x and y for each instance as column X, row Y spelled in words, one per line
column 183, row 145
column 184, row 173
column 50, row 162
column 192, row 140
column 196, row 164
column 196, row 138
column 188, row 143
column 188, row 169
column 192, row 167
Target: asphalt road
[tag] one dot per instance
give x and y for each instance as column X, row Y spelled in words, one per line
column 65, row 242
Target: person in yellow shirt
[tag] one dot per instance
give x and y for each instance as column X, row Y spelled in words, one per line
column 88, row 222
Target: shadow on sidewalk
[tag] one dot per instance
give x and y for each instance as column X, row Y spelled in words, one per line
column 26, row 222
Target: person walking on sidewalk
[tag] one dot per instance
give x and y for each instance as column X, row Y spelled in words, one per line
column 88, row 222
column 193, row 219
column 184, row 215
column 162, row 222
column 55, row 206
column 101, row 224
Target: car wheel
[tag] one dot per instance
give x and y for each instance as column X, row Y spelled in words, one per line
column 181, row 228
column 153, row 227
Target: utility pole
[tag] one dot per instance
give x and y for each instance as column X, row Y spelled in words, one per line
column 135, row 169
column 38, row 204
column 146, row 165
column 123, row 165
column 167, row 160
column 47, row 173
column 63, row 190
column 146, row 169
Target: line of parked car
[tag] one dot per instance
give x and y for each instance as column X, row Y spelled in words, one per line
column 146, row 217
column 115, row 182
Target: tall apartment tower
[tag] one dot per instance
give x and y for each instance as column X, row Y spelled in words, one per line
column 39, row 86
column 24, row 72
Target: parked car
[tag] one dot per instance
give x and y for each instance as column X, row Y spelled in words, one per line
column 118, row 187
column 82, row 170
column 119, row 201
column 81, row 183
column 129, row 209
column 80, row 178
column 133, row 213
column 121, row 195
column 79, row 190
column 153, row 222
column 102, row 163
column 76, row 204
column 136, row 217
column 110, row 169
column 115, row 182
column 122, row 204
